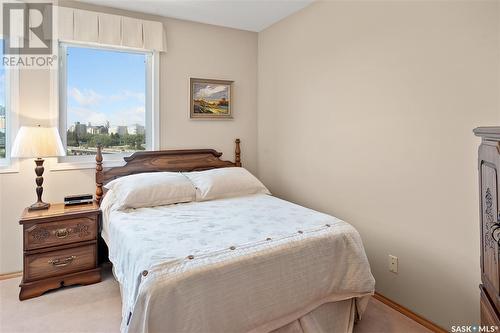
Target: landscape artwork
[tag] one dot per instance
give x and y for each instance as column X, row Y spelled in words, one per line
column 210, row 99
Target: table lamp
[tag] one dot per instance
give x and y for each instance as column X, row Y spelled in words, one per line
column 38, row 142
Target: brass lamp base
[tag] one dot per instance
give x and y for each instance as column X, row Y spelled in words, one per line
column 39, row 204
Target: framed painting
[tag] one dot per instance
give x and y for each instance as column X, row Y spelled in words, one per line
column 210, row 99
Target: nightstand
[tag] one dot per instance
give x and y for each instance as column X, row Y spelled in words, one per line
column 60, row 248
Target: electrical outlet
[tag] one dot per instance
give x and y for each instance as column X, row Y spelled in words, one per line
column 393, row 264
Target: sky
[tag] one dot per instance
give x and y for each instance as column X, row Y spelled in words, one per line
column 105, row 86
column 210, row 91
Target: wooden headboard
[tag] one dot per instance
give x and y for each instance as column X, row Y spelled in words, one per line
column 162, row 160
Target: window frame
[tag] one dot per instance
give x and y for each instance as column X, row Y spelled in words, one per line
column 8, row 164
column 151, row 104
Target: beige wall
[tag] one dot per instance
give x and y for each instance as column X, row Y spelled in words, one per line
column 229, row 54
column 366, row 111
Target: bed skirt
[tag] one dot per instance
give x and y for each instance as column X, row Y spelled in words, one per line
column 333, row 317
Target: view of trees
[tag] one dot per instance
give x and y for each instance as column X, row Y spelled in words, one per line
column 2, row 144
column 2, row 131
column 114, row 140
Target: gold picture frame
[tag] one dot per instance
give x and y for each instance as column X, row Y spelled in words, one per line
column 210, row 99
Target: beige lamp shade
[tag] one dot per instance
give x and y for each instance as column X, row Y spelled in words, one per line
column 37, row 142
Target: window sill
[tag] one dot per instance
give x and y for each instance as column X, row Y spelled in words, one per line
column 64, row 166
column 12, row 167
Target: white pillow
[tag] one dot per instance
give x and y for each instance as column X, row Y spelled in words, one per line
column 151, row 189
column 225, row 183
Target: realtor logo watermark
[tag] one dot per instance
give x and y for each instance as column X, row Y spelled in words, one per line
column 28, row 30
column 474, row 329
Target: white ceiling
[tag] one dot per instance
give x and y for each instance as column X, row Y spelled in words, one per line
column 249, row 15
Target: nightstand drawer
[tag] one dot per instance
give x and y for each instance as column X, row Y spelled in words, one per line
column 60, row 232
column 59, row 262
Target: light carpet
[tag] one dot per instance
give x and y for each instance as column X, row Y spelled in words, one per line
column 97, row 308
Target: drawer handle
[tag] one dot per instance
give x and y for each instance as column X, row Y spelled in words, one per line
column 62, row 233
column 495, row 232
column 62, row 262
column 494, row 228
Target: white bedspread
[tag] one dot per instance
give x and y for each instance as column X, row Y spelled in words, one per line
column 246, row 264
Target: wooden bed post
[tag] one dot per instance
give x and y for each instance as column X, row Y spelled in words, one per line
column 98, row 175
column 237, row 154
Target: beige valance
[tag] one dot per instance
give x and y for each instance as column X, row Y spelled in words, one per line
column 76, row 25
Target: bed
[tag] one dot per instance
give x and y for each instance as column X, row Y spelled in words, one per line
column 247, row 262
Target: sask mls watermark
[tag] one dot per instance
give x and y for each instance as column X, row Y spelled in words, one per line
column 474, row 329
column 28, row 31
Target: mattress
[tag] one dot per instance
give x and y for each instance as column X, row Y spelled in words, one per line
column 246, row 264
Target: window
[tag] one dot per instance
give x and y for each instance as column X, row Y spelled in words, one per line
column 3, row 108
column 106, row 97
column 8, row 114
